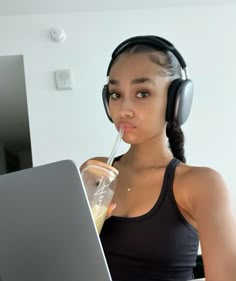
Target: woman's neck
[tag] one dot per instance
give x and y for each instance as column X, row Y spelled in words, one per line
column 154, row 154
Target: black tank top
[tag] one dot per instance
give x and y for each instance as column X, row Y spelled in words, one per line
column 159, row 245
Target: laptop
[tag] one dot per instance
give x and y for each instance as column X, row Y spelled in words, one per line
column 46, row 228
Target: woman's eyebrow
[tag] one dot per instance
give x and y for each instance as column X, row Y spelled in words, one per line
column 139, row 80
column 113, row 82
column 142, row 80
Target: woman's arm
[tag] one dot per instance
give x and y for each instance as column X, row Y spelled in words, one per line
column 213, row 211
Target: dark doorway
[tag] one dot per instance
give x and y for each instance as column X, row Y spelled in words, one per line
column 15, row 144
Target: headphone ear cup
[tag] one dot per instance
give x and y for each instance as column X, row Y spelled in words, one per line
column 105, row 98
column 179, row 101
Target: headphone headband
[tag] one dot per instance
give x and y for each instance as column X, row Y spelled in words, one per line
column 156, row 42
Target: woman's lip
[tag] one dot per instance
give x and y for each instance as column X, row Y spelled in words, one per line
column 126, row 126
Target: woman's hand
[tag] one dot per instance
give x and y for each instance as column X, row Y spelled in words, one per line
column 110, row 210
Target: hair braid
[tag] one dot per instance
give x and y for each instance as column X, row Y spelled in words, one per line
column 176, row 140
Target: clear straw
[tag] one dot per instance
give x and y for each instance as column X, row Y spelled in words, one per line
column 102, row 184
column 116, row 146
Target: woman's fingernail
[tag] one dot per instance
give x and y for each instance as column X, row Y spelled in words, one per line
column 113, row 207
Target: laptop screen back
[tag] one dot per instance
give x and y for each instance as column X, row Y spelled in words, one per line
column 47, row 232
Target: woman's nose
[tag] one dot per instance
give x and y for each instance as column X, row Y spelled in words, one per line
column 127, row 108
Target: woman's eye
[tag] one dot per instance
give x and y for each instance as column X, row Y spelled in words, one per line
column 142, row 94
column 114, row 96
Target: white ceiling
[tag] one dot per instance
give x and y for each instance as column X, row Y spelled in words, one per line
column 18, row 7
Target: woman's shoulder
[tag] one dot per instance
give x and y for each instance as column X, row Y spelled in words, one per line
column 199, row 175
column 201, row 182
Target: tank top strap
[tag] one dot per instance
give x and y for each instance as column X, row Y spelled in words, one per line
column 169, row 175
column 168, row 186
column 117, row 158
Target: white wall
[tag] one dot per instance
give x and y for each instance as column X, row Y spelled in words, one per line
column 72, row 124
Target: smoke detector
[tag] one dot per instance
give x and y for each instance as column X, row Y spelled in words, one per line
column 58, row 34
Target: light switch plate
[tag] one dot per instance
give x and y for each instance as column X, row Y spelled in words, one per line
column 63, row 79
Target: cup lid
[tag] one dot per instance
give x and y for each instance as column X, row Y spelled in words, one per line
column 102, row 164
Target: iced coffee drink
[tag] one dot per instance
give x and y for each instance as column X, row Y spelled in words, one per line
column 99, row 180
column 99, row 216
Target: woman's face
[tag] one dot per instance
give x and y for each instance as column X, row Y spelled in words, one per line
column 138, row 97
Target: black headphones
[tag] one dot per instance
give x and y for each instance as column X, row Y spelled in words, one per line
column 180, row 92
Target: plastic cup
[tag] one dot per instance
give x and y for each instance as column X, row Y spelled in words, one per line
column 99, row 181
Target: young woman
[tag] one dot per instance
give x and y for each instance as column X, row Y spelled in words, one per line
column 162, row 206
